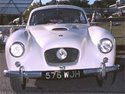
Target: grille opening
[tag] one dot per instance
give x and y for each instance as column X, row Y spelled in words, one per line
column 72, row 56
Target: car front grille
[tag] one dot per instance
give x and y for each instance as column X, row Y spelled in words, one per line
column 51, row 56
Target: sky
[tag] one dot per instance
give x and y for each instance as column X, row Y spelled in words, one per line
column 91, row 1
column 44, row 1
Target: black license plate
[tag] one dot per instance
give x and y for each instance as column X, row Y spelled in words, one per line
column 62, row 74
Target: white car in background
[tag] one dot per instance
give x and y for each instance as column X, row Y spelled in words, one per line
column 59, row 43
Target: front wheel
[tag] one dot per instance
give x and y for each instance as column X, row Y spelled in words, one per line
column 100, row 80
column 18, row 84
column 108, row 79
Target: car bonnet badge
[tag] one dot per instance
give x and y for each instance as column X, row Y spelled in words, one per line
column 61, row 54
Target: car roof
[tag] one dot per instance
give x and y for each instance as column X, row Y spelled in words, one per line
column 57, row 6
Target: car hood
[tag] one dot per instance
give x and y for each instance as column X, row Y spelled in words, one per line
column 53, row 36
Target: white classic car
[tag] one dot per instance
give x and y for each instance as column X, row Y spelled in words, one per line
column 59, row 43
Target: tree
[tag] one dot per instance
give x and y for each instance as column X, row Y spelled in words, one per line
column 107, row 3
column 98, row 4
column 30, row 8
column 103, row 3
column 80, row 3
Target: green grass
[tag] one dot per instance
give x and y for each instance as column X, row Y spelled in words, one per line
column 117, row 31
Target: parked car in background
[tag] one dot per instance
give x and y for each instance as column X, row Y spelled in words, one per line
column 59, row 43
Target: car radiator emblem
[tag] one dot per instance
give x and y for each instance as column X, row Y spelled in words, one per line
column 61, row 54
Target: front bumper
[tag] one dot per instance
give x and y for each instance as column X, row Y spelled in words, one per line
column 42, row 74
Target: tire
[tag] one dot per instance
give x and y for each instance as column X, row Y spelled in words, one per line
column 109, row 79
column 17, row 85
column 100, row 80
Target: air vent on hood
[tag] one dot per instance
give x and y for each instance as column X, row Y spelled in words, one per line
column 60, row 29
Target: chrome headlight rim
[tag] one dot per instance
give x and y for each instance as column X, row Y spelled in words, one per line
column 21, row 45
column 101, row 42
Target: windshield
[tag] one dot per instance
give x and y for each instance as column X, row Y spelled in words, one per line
column 57, row 15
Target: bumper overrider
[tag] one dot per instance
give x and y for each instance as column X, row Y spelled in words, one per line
column 61, row 74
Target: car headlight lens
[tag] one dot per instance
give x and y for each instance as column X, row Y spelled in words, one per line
column 105, row 45
column 17, row 49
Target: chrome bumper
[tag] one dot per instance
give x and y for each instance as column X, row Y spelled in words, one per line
column 41, row 74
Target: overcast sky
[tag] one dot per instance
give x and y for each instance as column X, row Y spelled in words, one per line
column 44, row 1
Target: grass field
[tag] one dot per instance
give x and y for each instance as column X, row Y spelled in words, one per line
column 118, row 31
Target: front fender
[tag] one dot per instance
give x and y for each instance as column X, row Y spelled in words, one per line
column 18, row 36
column 97, row 33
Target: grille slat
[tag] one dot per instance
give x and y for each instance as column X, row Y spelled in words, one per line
column 51, row 57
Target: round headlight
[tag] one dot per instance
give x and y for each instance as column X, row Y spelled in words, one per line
column 105, row 45
column 17, row 49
